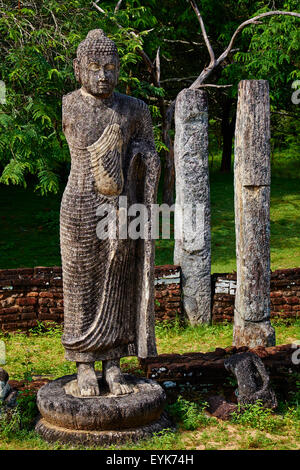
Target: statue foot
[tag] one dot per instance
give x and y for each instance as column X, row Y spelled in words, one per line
column 87, row 380
column 115, row 379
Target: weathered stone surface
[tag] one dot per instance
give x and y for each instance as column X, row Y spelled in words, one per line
column 105, row 419
column 108, row 283
column 192, row 248
column 5, row 388
column 8, row 395
column 108, row 274
column 221, row 408
column 207, row 370
column 252, row 216
column 252, row 378
column 53, row 433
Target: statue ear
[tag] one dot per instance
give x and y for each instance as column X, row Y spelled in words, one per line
column 76, row 69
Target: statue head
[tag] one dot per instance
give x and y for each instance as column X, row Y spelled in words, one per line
column 97, row 64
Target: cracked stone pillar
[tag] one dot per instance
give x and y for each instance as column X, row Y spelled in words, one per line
column 252, row 177
column 192, row 246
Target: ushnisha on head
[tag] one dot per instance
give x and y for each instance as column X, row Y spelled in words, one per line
column 97, row 64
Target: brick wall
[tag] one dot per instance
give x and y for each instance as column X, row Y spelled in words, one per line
column 207, row 369
column 167, row 292
column 285, row 294
column 29, row 295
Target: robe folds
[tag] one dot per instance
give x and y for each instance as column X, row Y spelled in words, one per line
column 108, row 284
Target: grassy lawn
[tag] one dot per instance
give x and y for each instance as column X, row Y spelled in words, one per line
column 29, row 230
column 42, row 354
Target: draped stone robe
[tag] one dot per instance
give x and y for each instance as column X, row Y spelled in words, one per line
column 108, row 284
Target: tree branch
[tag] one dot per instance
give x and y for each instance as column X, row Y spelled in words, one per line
column 208, row 70
column 214, row 86
column 118, row 5
column 157, row 67
column 179, row 79
column 204, row 34
column 252, row 21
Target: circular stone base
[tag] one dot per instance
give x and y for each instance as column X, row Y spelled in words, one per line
column 52, row 433
column 101, row 420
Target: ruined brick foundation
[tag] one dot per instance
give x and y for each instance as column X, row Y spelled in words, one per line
column 32, row 295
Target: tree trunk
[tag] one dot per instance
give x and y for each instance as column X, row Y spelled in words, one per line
column 169, row 168
column 228, row 126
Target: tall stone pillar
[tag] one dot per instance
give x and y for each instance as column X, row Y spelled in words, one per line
column 252, row 177
column 192, row 247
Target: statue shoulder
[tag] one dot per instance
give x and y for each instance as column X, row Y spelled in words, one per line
column 134, row 105
column 71, row 106
column 71, row 98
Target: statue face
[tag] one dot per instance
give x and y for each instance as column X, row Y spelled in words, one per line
column 98, row 74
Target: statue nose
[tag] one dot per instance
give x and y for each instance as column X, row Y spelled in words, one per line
column 101, row 75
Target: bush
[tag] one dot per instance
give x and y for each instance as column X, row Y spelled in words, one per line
column 256, row 416
column 189, row 414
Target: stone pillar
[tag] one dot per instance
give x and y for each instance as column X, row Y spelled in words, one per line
column 192, row 247
column 252, row 177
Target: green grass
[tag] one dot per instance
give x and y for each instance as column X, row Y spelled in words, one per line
column 41, row 353
column 29, row 233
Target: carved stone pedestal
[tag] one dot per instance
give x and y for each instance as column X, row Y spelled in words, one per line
column 103, row 420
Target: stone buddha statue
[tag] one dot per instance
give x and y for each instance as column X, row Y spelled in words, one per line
column 108, row 283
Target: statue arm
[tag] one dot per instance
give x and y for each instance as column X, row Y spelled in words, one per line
column 143, row 148
column 144, row 145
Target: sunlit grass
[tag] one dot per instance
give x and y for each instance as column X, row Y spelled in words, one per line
column 42, row 354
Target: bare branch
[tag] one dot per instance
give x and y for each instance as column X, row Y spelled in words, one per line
column 182, row 41
column 252, row 21
column 157, row 67
column 214, row 86
column 117, row 7
column 98, row 8
column 54, row 19
column 284, row 114
column 204, row 34
column 179, row 79
column 208, row 70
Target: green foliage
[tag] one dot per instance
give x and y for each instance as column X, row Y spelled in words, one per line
column 51, row 330
column 10, row 421
column 39, row 43
column 190, row 414
column 256, row 416
column 166, row 328
column 19, row 419
column 48, row 219
column 162, row 440
column 36, row 66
